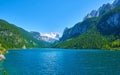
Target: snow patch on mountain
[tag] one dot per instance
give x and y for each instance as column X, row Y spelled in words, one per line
column 47, row 37
column 52, row 35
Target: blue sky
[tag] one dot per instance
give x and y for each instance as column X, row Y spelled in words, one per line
column 47, row 15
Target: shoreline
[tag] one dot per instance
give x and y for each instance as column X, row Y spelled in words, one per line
column 63, row 49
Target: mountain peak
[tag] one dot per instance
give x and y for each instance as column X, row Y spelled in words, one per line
column 47, row 37
column 101, row 10
column 53, row 35
column 93, row 13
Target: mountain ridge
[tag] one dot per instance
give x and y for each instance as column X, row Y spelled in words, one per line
column 12, row 37
column 98, row 30
column 102, row 33
column 47, row 37
column 102, row 9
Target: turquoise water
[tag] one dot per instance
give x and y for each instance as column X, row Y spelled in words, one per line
column 62, row 62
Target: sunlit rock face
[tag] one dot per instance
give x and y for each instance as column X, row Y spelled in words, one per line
column 77, row 29
column 74, row 31
column 106, row 25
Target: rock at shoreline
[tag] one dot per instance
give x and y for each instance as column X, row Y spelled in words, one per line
column 2, row 57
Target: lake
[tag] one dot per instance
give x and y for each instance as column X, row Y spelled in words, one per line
column 62, row 62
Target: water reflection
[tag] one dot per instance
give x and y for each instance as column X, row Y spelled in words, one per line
column 62, row 62
column 51, row 62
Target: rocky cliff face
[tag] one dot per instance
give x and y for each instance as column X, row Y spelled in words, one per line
column 102, row 32
column 72, row 32
column 116, row 3
column 104, row 8
column 94, row 13
column 107, row 24
column 36, row 35
column 110, row 23
column 78, row 29
column 113, row 20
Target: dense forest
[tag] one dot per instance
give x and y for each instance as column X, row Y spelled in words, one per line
column 12, row 37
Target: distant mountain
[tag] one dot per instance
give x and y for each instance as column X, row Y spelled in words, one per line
column 47, row 37
column 97, row 31
column 100, row 29
column 12, row 37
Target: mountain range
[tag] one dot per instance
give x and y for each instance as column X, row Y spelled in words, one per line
column 100, row 29
column 13, row 37
column 47, row 37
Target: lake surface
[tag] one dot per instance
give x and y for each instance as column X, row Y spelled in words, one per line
column 62, row 62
